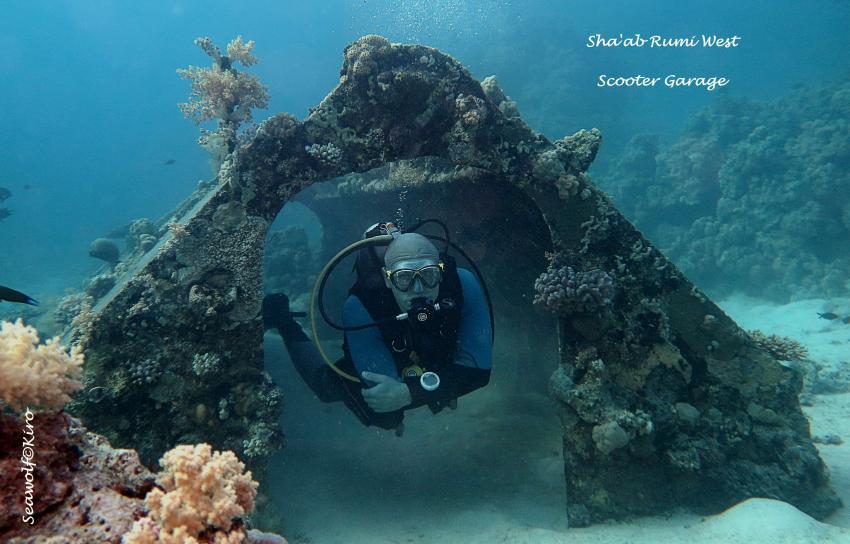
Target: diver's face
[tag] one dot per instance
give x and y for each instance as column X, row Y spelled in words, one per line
column 417, row 289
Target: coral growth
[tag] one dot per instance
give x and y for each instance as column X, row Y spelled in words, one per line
column 224, row 93
column 781, row 348
column 221, row 92
column 564, row 290
column 361, row 56
column 751, row 195
column 491, row 88
column 146, row 371
column 35, row 374
column 328, row 154
column 204, row 492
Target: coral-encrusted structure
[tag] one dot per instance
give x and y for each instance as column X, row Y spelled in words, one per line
column 565, row 291
column 665, row 401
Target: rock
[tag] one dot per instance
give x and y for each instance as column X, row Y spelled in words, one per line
column 105, row 250
column 85, row 490
column 609, row 436
column 686, row 413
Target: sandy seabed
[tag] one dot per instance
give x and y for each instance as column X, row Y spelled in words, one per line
column 491, row 471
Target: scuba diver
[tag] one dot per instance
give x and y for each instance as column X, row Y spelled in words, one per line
column 418, row 330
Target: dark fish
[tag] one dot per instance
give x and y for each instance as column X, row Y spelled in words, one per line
column 828, row 315
column 169, row 162
column 16, row 296
column 105, row 250
column 4, row 213
column 846, row 320
column 4, row 193
column 27, row 187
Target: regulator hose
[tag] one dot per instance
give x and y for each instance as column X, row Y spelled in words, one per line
column 319, row 288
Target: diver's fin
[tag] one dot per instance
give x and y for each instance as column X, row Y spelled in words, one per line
column 16, row 296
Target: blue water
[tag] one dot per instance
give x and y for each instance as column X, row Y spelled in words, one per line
column 90, row 89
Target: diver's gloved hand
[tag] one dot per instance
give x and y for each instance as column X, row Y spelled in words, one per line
column 388, row 395
column 275, row 311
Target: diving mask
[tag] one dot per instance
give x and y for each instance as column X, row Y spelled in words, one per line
column 430, row 276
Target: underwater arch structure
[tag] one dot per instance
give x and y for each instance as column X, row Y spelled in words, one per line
column 664, row 401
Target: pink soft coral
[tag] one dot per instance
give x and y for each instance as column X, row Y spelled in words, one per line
column 33, row 374
column 204, row 492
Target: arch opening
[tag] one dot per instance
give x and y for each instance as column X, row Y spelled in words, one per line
column 503, row 231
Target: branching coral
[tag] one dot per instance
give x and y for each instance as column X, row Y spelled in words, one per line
column 204, row 492
column 33, row 374
column 781, row 348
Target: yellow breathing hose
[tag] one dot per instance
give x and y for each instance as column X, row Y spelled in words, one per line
column 314, row 299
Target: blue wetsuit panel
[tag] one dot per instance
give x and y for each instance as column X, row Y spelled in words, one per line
column 368, row 351
column 475, row 336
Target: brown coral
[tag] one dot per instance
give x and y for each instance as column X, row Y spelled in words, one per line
column 33, row 374
column 203, row 493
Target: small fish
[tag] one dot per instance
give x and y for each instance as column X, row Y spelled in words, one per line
column 846, row 320
column 11, row 295
column 27, row 187
column 4, row 193
column 169, row 162
column 4, row 213
column 828, row 315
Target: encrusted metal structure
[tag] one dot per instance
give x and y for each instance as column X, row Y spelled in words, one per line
column 665, row 401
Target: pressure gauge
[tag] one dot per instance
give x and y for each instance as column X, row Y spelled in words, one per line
column 430, row 381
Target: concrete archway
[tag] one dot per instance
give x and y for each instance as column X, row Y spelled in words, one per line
column 664, row 400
